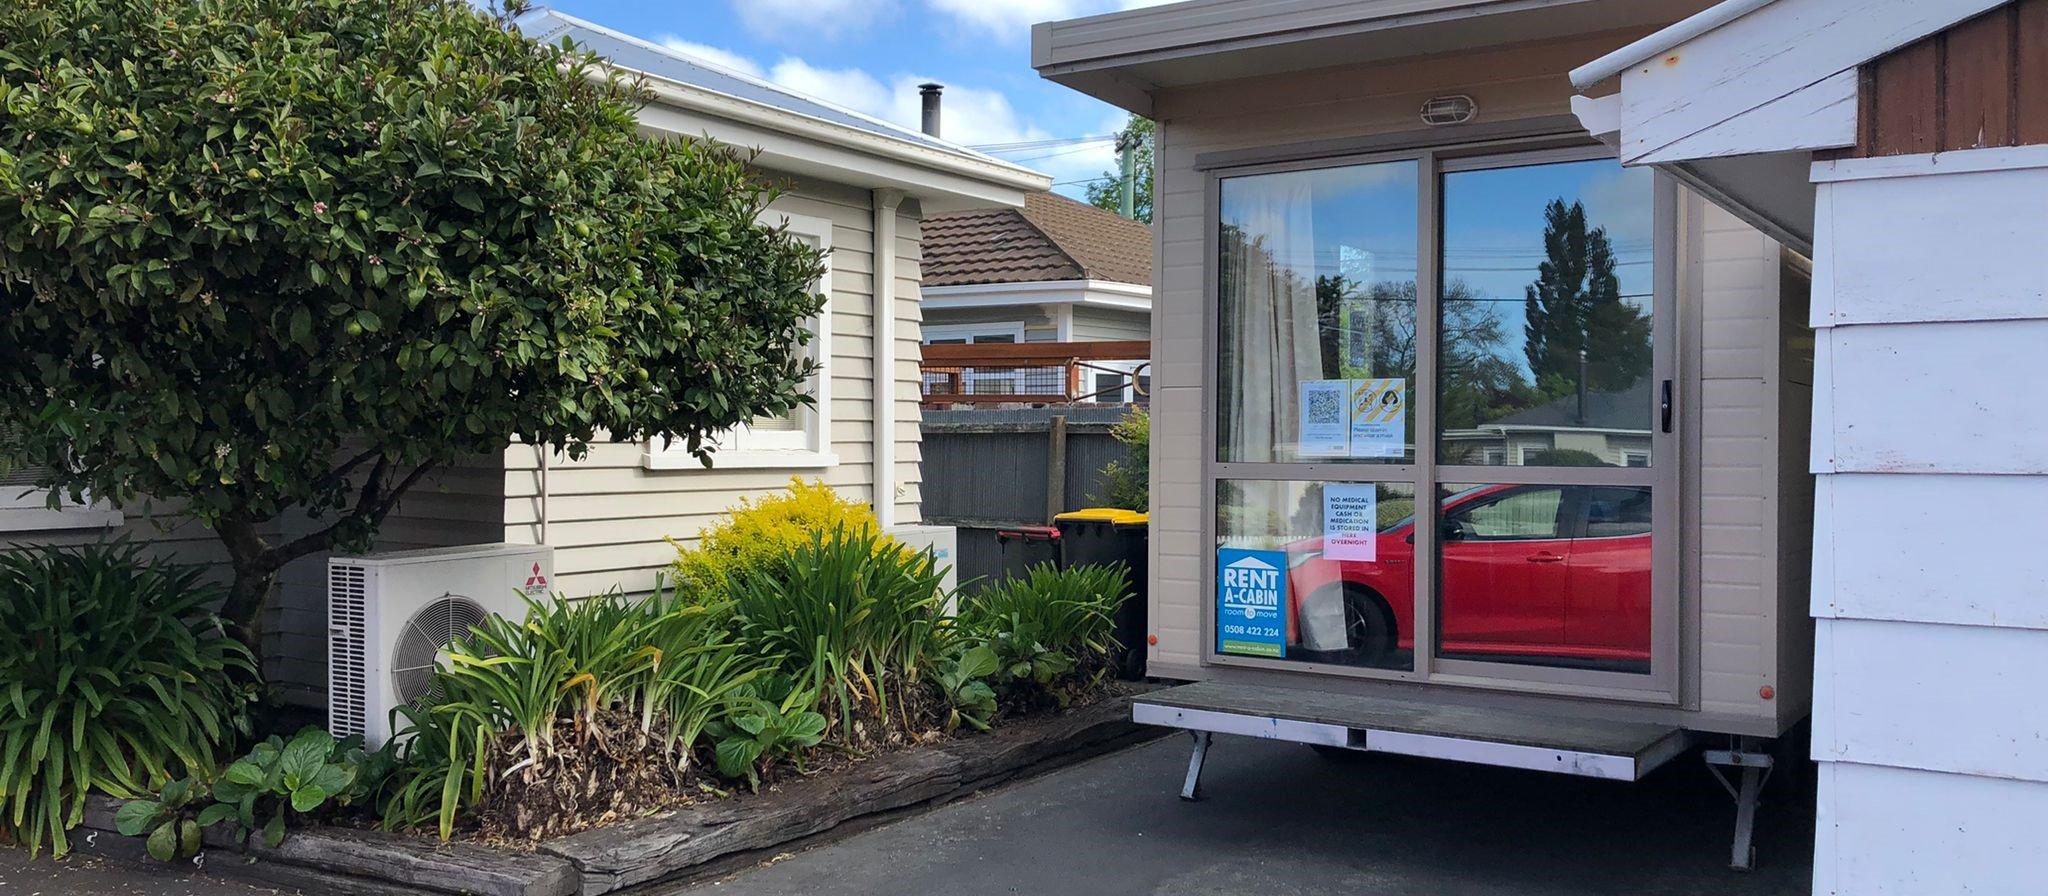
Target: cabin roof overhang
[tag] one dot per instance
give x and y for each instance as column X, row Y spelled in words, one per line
column 1736, row 100
column 1123, row 58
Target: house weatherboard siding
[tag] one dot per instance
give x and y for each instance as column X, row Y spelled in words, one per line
column 1108, row 325
column 609, row 515
column 1926, row 183
column 1928, row 433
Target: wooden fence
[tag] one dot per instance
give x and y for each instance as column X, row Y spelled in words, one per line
column 988, row 374
column 990, row 471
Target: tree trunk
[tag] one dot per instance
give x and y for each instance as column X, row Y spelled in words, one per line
column 255, row 567
column 248, row 597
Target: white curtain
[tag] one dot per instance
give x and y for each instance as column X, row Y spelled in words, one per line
column 1269, row 287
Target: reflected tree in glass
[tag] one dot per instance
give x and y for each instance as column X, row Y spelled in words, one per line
column 1579, row 332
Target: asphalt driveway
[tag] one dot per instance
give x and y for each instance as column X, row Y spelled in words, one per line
column 1280, row 820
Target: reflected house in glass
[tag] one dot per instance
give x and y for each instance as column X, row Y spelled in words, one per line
column 1591, row 518
column 1597, row 428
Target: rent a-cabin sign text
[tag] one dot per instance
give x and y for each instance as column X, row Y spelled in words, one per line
column 1250, row 588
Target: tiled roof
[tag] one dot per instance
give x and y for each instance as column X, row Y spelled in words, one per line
column 1050, row 238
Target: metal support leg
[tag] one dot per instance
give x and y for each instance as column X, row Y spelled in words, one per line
column 1756, row 766
column 1191, row 790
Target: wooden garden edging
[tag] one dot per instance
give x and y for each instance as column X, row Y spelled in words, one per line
column 692, row 841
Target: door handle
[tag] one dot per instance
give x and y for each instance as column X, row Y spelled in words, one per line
column 1545, row 557
column 1664, row 406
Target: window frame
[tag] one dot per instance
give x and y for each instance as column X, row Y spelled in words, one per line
column 808, row 444
column 27, row 509
column 1664, row 684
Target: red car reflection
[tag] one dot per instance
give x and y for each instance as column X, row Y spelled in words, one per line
column 1545, row 572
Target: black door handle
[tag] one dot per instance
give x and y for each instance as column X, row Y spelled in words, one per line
column 1664, row 406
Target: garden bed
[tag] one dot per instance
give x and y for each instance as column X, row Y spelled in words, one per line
column 691, row 842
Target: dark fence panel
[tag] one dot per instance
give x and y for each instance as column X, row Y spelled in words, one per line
column 985, row 470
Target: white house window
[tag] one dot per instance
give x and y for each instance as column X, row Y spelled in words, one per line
column 25, row 508
column 1002, row 381
column 798, row 439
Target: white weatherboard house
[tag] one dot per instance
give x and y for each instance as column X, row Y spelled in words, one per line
column 1905, row 143
column 853, row 185
column 1783, row 257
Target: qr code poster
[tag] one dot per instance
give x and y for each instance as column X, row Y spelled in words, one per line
column 1379, row 415
column 1325, row 423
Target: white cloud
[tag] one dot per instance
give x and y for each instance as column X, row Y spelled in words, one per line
column 972, row 116
column 1010, row 21
column 789, row 20
column 714, row 55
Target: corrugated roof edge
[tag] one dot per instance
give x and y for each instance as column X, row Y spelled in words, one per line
column 560, row 24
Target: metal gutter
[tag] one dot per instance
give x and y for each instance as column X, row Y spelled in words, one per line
column 883, row 382
column 695, row 98
column 1586, row 76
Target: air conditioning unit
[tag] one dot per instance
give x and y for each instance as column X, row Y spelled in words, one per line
column 390, row 617
column 943, row 541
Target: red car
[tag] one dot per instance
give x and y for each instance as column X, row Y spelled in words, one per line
column 1556, row 573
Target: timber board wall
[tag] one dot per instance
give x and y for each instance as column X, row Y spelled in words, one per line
column 1981, row 83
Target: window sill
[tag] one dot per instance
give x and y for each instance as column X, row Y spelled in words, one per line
column 37, row 518
column 740, row 460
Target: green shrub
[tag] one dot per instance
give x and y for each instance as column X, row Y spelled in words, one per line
column 1047, row 626
column 849, row 613
column 1127, row 482
column 647, row 676
column 771, row 719
column 963, row 681
column 764, row 533
column 114, row 677
column 275, row 258
column 277, row 780
column 1069, row 610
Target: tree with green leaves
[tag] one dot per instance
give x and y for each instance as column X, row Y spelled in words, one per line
column 1106, row 192
column 261, row 257
column 1576, row 306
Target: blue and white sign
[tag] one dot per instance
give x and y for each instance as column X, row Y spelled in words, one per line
column 1251, row 594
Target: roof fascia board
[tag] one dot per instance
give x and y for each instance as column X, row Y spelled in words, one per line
column 1091, row 293
column 1586, row 76
column 697, row 98
column 1204, row 27
column 840, row 154
column 1821, row 115
column 1769, row 52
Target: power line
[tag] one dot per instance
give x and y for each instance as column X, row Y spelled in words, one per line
column 1058, row 152
column 1040, row 144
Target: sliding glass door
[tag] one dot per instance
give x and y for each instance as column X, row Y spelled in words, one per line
column 1443, row 432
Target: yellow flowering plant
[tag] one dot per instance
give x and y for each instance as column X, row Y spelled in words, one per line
column 770, row 529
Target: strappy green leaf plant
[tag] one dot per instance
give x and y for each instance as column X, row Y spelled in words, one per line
column 115, row 677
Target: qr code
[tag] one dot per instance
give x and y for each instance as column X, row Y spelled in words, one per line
column 1325, row 407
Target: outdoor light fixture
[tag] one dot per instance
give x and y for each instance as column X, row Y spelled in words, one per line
column 1454, row 109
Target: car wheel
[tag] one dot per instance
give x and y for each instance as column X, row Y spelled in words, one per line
column 1368, row 631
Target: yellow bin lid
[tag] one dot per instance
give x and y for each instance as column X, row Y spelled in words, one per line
column 1111, row 515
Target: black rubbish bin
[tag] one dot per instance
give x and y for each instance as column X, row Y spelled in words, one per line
column 1104, row 535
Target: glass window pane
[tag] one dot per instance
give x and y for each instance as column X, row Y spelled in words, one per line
column 1336, row 557
column 1550, row 575
column 1316, row 305
column 1546, row 316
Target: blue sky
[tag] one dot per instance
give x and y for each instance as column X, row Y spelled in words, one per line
column 869, row 55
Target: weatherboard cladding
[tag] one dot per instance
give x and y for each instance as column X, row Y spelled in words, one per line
column 1051, row 238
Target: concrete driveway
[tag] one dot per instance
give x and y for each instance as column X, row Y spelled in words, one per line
column 1280, row 820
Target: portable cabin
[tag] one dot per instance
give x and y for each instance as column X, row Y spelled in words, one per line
column 1469, row 441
